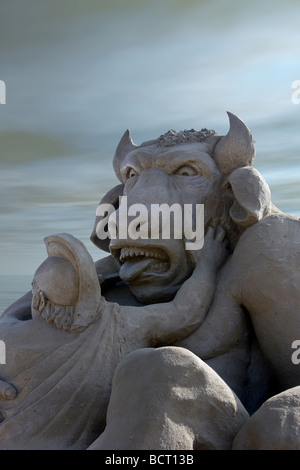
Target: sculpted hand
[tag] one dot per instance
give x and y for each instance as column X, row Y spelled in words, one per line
column 7, row 391
column 213, row 252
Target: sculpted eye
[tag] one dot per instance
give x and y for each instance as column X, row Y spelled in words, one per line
column 131, row 172
column 186, row 170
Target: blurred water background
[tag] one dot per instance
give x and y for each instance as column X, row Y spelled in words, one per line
column 79, row 73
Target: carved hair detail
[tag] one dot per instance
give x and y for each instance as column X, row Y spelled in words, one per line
column 174, row 138
column 61, row 317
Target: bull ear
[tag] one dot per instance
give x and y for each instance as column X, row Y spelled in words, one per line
column 236, row 149
column 112, row 197
column 125, row 146
column 252, row 196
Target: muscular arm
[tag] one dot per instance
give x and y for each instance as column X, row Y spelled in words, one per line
column 223, row 326
column 165, row 323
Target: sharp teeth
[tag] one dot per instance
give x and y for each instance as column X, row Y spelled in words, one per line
column 129, row 252
column 124, row 251
column 123, row 254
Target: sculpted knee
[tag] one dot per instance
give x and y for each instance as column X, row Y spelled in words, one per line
column 274, row 426
column 167, row 398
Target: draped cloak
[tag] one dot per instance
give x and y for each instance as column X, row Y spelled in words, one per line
column 63, row 379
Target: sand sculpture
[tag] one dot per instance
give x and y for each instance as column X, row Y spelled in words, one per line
column 157, row 346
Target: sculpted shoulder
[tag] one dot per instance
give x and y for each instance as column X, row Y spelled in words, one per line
column 277, row 233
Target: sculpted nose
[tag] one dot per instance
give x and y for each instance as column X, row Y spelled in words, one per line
column 153, row 187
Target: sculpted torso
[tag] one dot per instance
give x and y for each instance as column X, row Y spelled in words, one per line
column 233, row 303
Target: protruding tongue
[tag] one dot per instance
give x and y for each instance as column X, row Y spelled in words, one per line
column 132, row 269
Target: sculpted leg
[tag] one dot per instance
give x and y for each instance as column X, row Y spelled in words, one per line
column 167, row 398
column 275, row 426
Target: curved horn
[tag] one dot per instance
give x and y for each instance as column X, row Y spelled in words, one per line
column 236, row 149
column 125, row 146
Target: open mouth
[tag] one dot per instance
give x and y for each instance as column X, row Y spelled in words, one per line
column 135, row 261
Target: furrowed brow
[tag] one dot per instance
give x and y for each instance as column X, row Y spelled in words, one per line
column 140, row 160
column 174, row 160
